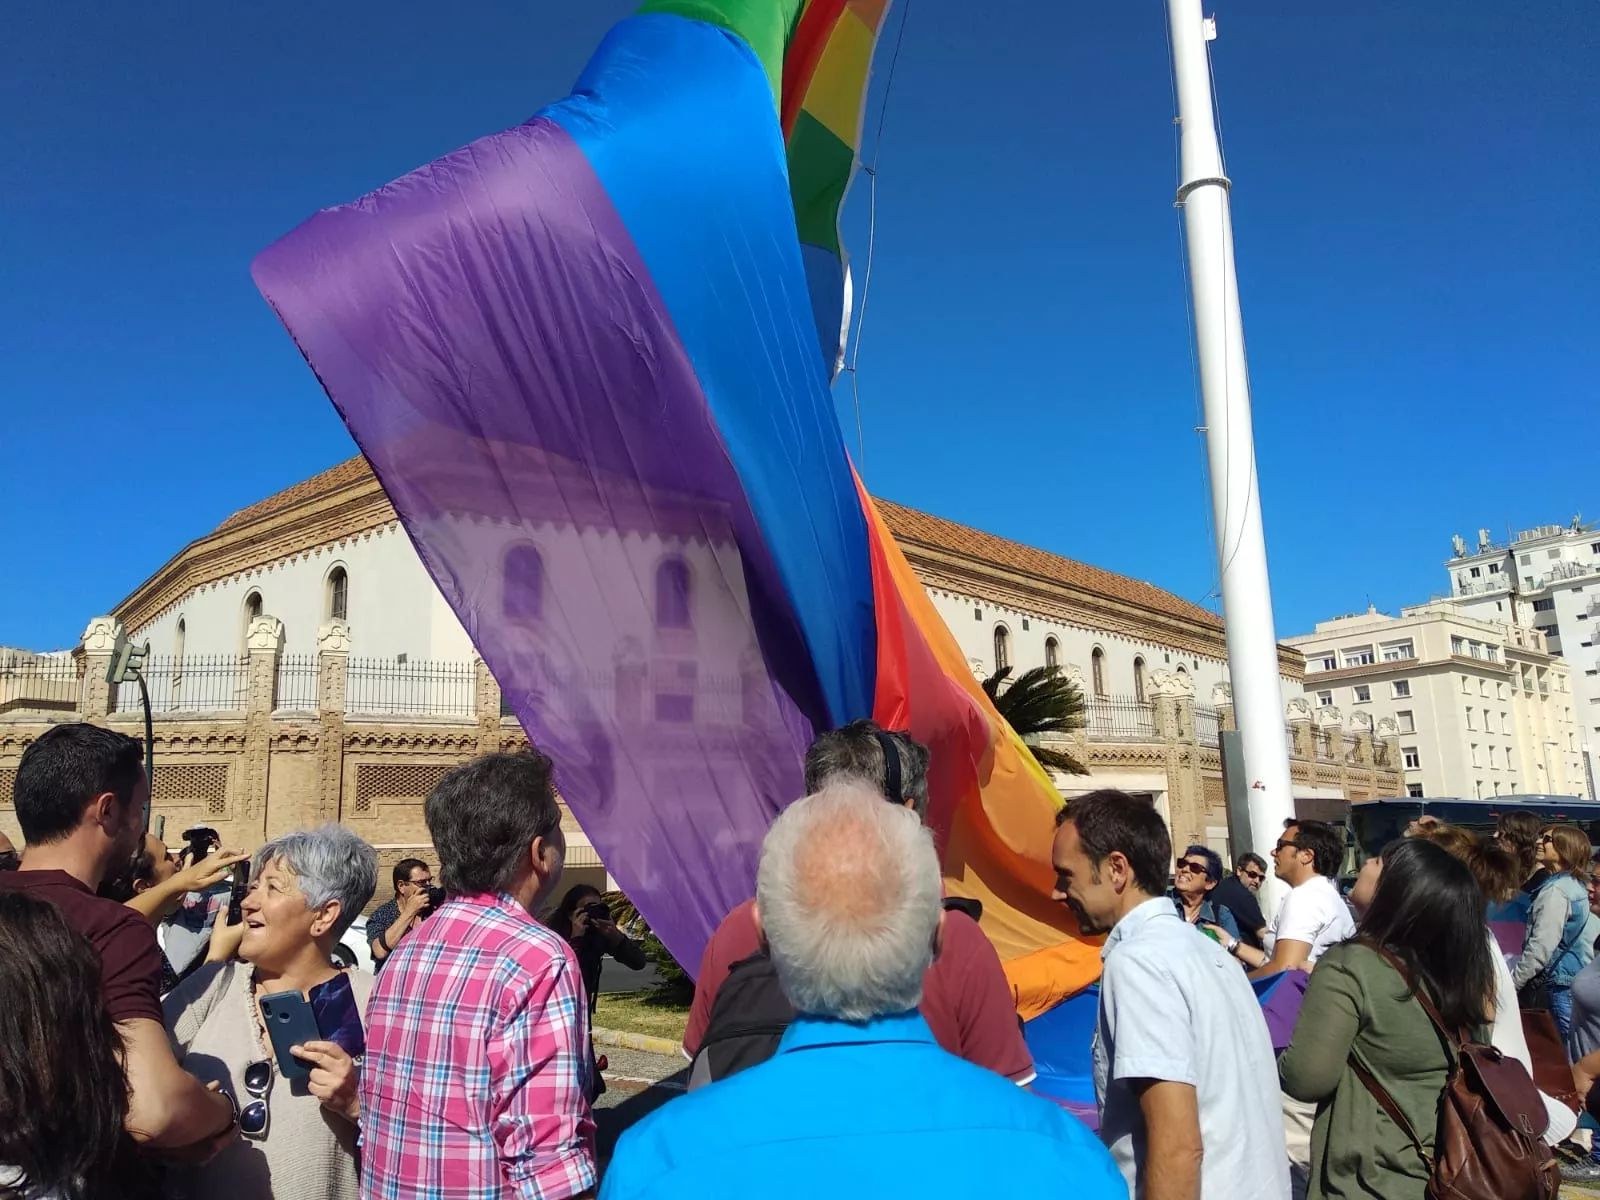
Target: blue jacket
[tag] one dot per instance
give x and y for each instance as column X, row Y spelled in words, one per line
column 1554, row 951
column 875, row 1110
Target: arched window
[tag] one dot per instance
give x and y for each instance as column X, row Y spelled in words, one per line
column 178, row 638
column 1097, row 662
column 1182, row 670
column 522, row 590
column 1138, row 679
column 252, row 610
column 1002, row 647
column 1052, row 653
column 338, row 594
column 672, row 594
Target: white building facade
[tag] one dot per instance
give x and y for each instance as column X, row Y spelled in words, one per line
column 1547, row 578
column 1482, row 708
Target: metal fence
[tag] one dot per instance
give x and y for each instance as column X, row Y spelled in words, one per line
column 386, row 686
column 204, row 683
column 295, row 689
column 1120, row 719
column 40, row 684
column 1207, row 725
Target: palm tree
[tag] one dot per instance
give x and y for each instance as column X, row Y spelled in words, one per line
column 1041, row 700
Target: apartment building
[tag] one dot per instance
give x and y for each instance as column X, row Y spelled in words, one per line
column 1482, row 707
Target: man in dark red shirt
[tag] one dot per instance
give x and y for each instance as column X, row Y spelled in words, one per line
column 80, row 793
column 965, row 998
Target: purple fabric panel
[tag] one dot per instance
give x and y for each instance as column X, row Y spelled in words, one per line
column 489, row 334
column 1280, row 1005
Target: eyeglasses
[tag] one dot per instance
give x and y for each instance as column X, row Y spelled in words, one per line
column 1545, row 837
column 256, row 1116
column 1286, row 846
column 1258, row 876
column 1193, row 867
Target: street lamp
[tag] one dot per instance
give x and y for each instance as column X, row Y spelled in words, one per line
column 127, row 662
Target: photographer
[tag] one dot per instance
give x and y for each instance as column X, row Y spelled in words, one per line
column 584, row 920
column 415, row 898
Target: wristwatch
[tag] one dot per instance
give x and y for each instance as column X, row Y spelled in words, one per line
column 1233, row 947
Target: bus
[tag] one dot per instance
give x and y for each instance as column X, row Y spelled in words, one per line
column 1376, row 823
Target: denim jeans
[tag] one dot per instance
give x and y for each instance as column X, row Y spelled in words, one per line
column 1561, row 1009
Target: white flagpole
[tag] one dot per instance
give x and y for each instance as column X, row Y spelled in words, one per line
column 1230, row 443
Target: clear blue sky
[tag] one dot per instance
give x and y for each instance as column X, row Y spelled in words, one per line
column 1414, row 202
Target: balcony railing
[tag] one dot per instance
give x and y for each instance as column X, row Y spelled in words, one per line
column 1120, row 719
column 40, row 684
column 295, row 689
column 381, row 687
column 192, row 684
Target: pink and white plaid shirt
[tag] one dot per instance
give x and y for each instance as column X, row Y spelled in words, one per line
column 477, row 1057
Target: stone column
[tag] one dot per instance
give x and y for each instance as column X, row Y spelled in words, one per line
column 1330, row 734
column 263, row 645
column 486, row 697
column 1361, row 725
column 1387, row 748
column 333, row 661
column 1302, row 741
column 1172, row 696
column 98, row 640
column 1222, row 701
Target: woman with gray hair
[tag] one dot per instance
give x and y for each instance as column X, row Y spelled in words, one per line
column 297, row 1137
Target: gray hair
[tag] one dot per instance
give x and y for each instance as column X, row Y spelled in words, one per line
column 855, row 751
column 330, row 863
column 849, row 895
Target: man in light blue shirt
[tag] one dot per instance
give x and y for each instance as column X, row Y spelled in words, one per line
column 859, row 1100
column 1183, row 1064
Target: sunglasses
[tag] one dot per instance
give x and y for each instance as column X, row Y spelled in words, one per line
column 1256, row 875
column 1286, row 846
column 1194, row 867
column 256, row 1116
column 1545, row 837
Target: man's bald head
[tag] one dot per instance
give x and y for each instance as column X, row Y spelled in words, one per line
column 849, row 898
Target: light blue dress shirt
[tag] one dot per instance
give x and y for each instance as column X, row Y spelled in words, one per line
column 875, row 1110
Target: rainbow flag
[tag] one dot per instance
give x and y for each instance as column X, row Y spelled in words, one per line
column 589, row 358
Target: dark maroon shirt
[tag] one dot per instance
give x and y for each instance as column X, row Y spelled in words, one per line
column 130, row 956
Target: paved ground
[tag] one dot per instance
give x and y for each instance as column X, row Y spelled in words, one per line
column 636, row 1084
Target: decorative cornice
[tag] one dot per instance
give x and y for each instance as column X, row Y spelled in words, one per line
column 440, row 739
column 350, row 509
column 1047, row 599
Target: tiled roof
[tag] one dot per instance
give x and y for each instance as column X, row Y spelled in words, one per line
column 909, row 525
column 352, row 470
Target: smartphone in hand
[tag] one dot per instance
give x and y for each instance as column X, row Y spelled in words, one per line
column 290, row 1021
column 237, row 890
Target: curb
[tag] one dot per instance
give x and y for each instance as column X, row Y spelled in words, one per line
column 637, row 1041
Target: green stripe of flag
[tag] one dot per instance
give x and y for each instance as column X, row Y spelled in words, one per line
column 765, row 25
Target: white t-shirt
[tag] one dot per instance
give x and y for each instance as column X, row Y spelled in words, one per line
column 1313, row 912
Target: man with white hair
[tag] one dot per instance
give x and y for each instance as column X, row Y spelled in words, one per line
column 965, row 997
column 859, row 1100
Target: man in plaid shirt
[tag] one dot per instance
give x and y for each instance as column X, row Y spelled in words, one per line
column 477, row 1047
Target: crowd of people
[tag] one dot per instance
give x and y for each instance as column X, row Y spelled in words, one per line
column 852, row 1025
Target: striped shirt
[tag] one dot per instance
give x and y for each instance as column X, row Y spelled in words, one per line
column 477, row 1057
